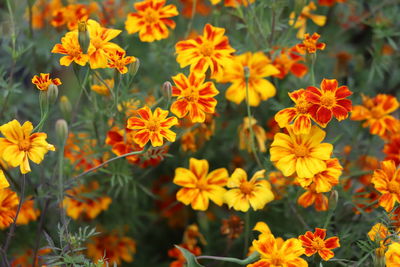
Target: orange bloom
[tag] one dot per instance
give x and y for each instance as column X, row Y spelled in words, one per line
column 152, row 126
column 392, row 255
column 180, row 259
column 207, row 51
column 328, row 101
column 76, row 204
column 201, row 8
column 233, row 3
column 199, row 186
column 302, row 154
column 245, row 136
column 28, row 212
column 387, row 181
column 315, row 242
column 122, row 143
column 102, row 89
column 71, row 49
column 249, row 70
column 392, row 149
column 195, row 97
column 375, row 111
column 117, row 60
column 8, row 207
column 151, row 20
column 329, row 2
column 26, row 259
column 299, row 114
column 305, row 14
column 289, row 60
column 42, row 12
column 380, row 234
column 310, row 44
column 19, row 145
column 43, row 81
column 311, row 197
column 72, row 14
column 113, row 247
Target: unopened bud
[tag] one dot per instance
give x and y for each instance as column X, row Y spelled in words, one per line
column 83, row 36
column 52, row 93
column 43, row 99
column 65, row 107
column 333, row 199
column 133, row 67
column 167, row 90
column 246, row 72
column 61, row 131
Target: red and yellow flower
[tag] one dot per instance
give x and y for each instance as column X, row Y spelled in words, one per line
column 8, row 207
column 316, row 243
column 310, row 44
column 392, row 255
column 392, row 149
column 195, row 97
column 71, row 49
column 118, row 60
column 311, row 197
column 149, row 126
column 43, row 81
column 329, row 101
column 329, row 2
column 200, row 8
column 288, row 60
column 301, row 21
column 199, row 186
column 151, row 20
column 208, row 51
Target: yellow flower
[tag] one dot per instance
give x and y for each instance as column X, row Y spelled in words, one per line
column 244, row 135
column 102, row 89
column 8, row 207
column 3, row 180
column 71, row 49
column 392, row 255
column 301, row 22
column 118, row 60
column 258, row 67
column 19, row 145
column 256, row 192
column 43, row 81
column 199, row 186
column 303, row 154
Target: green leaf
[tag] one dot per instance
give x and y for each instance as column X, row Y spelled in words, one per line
column 190, row 258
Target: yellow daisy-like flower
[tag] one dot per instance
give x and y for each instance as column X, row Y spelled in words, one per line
column 71, row 50
column 258, row 67
column 303, row 154
column 392, row 255
column 199, row 186
column 255, row 193
column 19, row 145
column 43, row 81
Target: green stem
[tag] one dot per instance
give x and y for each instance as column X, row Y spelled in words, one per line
column 312, row 73
column 253, row 257
column 61, row 181
column 246, row 232
column 328, row 218
column 190, row 24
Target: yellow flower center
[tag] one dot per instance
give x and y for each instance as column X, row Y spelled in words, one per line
column 202, row 184
column 301, row 151
column 394, row 187
column 150, row 16
column 285, row 61
column 191, row 95
column 153, row 125
column 207, row 49
column 318, row 243
column 246, row 188
column 24, row 145
column 377, row 113
column 276, row 260
column 328, row 100
column 302, row 106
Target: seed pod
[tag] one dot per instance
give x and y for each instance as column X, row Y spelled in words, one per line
column 166, row 90
column 61, row 131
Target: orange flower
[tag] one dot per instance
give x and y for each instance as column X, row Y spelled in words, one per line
column 102, row 89
column 325, row 180
column 71, row 49
column 76, row 204
column 233, row 3
column 299, row 114
column 19, row 145
column 42, row 12
column 43, row 81
column 201, row 8
column 117, row 60
column 380, row 234
column 8, row 207
column 305, row 14
column 375, row 111
column 199, row 186
column 151, row 20
column 387, row 181
column 310, row 44
column 329, row 2
column 194, row 96
column 207, row 51
column 302, row 154
column 28, row 212
column 392, row 149
column 113, row 247
column 152, row 126
column 328, row 101
column 100, row 45
column 249, row 70
column 245, row 137
column 180, row 258
column 121, row 142
column 311, row 197
column 315, row 242
column 288, row 60
column 392, row 255
column 72, row 14
column 26, row 259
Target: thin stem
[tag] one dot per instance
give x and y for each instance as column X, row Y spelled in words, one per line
column 39, row 230
column 299, row 217
column 253, row 257
column 30, row 18
column 246, row 232
column 61, row 181
column 328, row 218
column 312, row 71
column 190, row 24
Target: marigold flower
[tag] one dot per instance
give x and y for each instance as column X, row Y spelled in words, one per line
column 113, row 247
column 19, row 145
column 151, row 20
column 249, row 70
column 76, row 204
column 299, row 114
column 201, row 8
column 311, row 197
column 8, row 207
column 392, row 149
column 233, row 3
column 122, row 143
column 43, row 81
column 305, row 14
column 316, row 243
column 279, row 184
column 245, row 136
column 329, row 101
column 42, row 11
column 325, row 180
column 378, row 232
column 288, row 60
column 243, row 194
column 232, row 227
column 71, row 49
column 195, row 97
column 375, row 111
column 310, row 44
column 117, row 60
column 3, row 180
column 207, row 51
column 199, row 186
column 329, row 2
column 26, row 259
column 102, row 89
column 278, row 252
column 302, row 154
column 392, row 255
column 387, row 181
column 72, row 14
column 28, row 212
column 152, row 126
